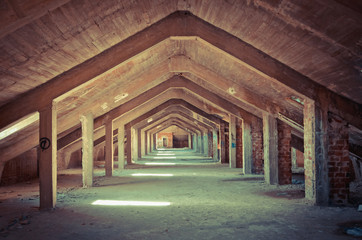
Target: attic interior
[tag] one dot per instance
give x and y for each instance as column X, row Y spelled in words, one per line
column 267, row 90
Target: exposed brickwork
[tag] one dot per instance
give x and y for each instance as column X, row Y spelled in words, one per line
column 284, row 153
column 239, row 145
column 258, row 152
column 21, row 168
column 339, row 163
column 168, row 143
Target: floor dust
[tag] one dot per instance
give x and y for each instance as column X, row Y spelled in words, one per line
column 201, row 201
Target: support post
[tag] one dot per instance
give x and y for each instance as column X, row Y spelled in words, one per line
column 222, row 143
column 206, row 144
column 194, row 142
column 247, row 147
column 294, row 158
column 129, row 145
column 109, row 148
column 199, row 143
column 232, row 142
column 270, row 135
column 214, row 145
column 48, row 157
column 87, row 149
column 121, row 159
column 315, row 153
column 134, row 144
column 189, row 141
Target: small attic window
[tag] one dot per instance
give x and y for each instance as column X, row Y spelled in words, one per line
column 297, row 99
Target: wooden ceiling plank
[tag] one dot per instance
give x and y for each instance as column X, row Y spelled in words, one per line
column 183, row 24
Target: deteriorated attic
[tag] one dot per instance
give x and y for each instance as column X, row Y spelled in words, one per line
column 258, row 85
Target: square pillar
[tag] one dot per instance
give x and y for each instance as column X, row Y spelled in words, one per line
column 109, row 148
column 129, row 145
column 239, row 144
column 121, row 159
column 154, row 139
column 315, row 153
column 194, row 142
column 149, row 146
column 206, row 143
column 247, row 147
column 87, row 149
column 232, row 142
column 199, row 142
column 222, row 143
column 140, row 143
column 134, row 148
column 48, row 157
column 214, row 145
column 189, row 141
column 284, row 153
column 270, row 135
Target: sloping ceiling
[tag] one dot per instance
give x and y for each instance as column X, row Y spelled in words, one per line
column 97, row 56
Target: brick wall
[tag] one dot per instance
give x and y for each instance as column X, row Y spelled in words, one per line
column 284, row 153
column 257, row 141
column 166, row 135
column 339, row 164
column 20, row 169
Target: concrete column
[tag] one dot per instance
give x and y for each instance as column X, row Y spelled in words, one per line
column 232, row 142
column 121, row 159
column 140, row 145
column 270, row 135
column 199, row 143
column 294, row 158
column 87, row 149
column 315, row 153
column 189, row 141
column 239, row 144
column 134, row 144
column 194, row 142
column 210, row 143
column 247, row 147
column 154, row 143
column 202, row 148
column 206, row 144
column 222, row 143
column 48, row 157
column 149, row 146
column 109, row 148
column 129, row 145
column 144, row 142
column 214, row 145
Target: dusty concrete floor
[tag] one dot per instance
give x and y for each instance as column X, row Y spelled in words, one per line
column 208, row 201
